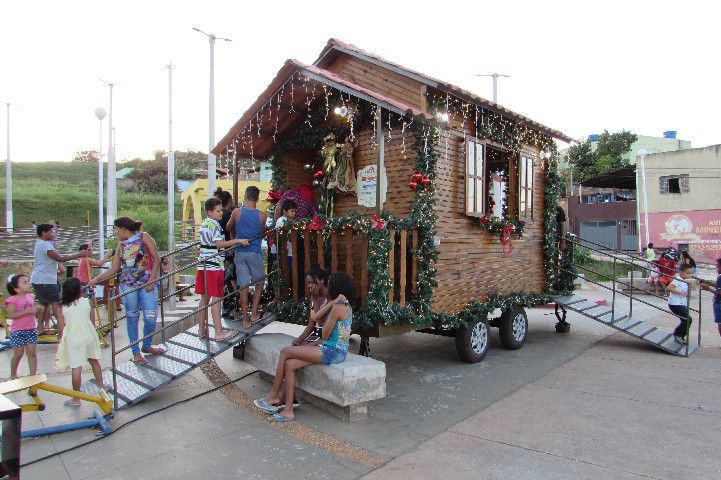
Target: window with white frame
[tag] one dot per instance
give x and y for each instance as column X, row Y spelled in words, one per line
column 525, row 188
column 475, row 178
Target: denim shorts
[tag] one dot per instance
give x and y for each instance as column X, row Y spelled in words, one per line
column 249, row 268
column 47, row 293
column 331, row 355
column 717, row 312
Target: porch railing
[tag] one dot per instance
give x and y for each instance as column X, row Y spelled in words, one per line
column 347, row 250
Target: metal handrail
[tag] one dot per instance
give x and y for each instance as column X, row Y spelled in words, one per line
column 190, row 314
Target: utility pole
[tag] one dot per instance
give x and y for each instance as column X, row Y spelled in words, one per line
column 100, row 113
column 112, row 199
column 495, row 83
column 211, row 110
column 171, row 183
column 8, row 178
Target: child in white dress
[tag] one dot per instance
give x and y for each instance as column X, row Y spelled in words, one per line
column 80, row 344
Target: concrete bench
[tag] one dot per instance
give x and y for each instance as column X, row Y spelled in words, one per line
column 343, row 389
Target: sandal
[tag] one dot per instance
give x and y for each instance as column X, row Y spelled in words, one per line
column 154, row 351
column 280, row 419
column 261, row 404
column 140, row 361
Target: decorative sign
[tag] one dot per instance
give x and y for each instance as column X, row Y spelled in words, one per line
column 699, row 231
column 366, row 182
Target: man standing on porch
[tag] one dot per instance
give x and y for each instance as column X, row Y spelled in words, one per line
column 248, row 222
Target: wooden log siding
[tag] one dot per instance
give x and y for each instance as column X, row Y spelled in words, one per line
column 349, row 251
column 471, row 264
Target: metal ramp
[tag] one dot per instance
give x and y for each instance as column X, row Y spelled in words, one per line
column 623, row 322
column 183, row 353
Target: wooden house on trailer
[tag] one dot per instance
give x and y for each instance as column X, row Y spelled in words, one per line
column 440, row 204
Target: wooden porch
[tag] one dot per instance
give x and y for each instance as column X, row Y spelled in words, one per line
column 347, row 250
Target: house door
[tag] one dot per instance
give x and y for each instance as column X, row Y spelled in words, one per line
column 601, row 233
column 629, row 235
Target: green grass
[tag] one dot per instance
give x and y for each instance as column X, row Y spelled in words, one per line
column 67, row 191
column 602, row 271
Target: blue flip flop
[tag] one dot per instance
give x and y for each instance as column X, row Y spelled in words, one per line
column 261, row 404
column 279, row 419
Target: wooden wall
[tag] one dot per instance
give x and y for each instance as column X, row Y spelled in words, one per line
column 378, row 79
column 471, row 263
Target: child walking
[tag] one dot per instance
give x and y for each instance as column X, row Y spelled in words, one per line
column 678, row 302
column 80, row 344
column 21, row 309
column 210, row 275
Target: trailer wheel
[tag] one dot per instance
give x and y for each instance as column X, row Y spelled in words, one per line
column 513, row 328
column 472, row 341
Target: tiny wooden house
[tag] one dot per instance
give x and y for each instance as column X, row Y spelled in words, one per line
column 436, row 201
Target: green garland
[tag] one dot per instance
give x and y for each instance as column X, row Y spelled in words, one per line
column 563, row 281
column 496, row 225
column 476, row 310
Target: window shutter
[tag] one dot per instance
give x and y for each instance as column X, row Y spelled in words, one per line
column 663, row 185
column 684, row 184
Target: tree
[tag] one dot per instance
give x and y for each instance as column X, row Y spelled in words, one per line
column 589, row 160
column 86, row 156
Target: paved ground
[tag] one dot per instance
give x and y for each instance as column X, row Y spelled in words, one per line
column 581, row 405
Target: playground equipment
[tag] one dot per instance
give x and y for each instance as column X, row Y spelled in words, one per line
column 34, row 383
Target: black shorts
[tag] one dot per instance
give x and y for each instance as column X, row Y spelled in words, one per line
column 47, row 293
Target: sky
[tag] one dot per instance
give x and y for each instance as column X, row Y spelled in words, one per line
column 579, row 67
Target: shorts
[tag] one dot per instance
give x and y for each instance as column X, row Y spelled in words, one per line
column 215, row 280
column 249, row 268
column 717, row 312
column 20, row 338
column 47, row 293
column 331, row 355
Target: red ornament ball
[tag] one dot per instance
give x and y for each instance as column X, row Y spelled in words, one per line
column 484, row 219
column 413, row 185
column 417, row 177
column 319, row 174
column 425, row 181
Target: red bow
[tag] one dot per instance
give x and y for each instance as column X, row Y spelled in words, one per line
column 377, row 223
column 506, row 244
column 315, row 223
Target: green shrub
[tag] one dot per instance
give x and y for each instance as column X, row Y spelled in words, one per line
column 155, row 222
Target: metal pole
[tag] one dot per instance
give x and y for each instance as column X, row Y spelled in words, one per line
column 495, row 88
column 101, row 212
column 688, row 315
column 171, row 189
column 111, row 315
column 8, row 178
column 699, row 316
column 211, row 122
column 613, row 297
column 112, row 210
column 645, row 196
column 630, row 300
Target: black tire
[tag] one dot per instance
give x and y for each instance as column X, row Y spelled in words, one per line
column 513, row 328
column 473, row 340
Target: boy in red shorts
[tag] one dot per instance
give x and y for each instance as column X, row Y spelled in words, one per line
column 210, row 275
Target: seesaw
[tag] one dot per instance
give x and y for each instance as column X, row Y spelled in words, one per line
column 34, row 383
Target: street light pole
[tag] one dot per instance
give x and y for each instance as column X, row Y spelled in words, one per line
column 495, row 83
column 171, row 185
column 211, row 111
column 8, row 178
column 112, row 200
column 100, row 114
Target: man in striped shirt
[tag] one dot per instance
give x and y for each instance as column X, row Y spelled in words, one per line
column 210, row 276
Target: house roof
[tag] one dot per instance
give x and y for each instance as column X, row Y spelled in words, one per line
column 291, row 107
column 287, row 118
column 622, row 178
column 334, row 45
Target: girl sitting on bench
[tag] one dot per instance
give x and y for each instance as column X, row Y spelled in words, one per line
column 331, row 348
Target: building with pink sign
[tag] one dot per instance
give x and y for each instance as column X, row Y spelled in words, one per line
column 679, row 201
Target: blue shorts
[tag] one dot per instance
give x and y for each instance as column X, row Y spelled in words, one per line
column 19, row 338
column 249, row 268
column 717, row 312
column 331, row 355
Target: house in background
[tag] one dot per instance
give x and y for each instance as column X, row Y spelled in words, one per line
column 679, row 201
column 604, row 211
